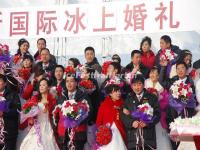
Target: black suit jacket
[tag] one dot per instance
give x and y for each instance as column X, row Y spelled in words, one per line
column 11, row 117
column 49, row 69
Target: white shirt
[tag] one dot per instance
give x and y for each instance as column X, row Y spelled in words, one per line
column 44, row 66
column 140, row 96
column 183, row 80
column 71, row 95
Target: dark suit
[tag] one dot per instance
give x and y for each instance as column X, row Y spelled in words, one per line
column 11, row 119
column 48, row 70
column 80, row 137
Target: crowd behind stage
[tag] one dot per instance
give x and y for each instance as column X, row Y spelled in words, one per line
column 112, row 92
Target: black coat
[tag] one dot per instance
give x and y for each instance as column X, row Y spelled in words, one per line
column 131, row 103
column 54, row 83
column 11, row 117
column 95, row 65
column 95, row 102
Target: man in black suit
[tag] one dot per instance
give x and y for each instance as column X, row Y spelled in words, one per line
column 136, row 66
column 139, row 96
column 80, row 137
column 46, row 64
column 10, row 116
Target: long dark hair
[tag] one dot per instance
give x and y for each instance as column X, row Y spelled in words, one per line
column 75, row 61
column 145, row 39
column 20, row 42
column 48, row 83
column 167, row 39
column 184, row 54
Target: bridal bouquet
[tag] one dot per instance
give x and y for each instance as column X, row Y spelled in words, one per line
column 103, row 135
column 73, row 113
column 29, row 110
column 70, row 70
column 181, row 96
column 167, row 55
column 87, row 86
column 24, row 73
column 144, row 113
column 105, row 67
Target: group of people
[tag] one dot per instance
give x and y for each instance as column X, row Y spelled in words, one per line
column 119, row 91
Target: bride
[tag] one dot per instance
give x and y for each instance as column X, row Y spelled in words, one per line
column 40, row 136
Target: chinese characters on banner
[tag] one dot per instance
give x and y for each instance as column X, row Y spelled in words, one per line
column 87, row 20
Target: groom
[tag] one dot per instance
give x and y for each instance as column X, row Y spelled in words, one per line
column 137, row 97
column 80, row 137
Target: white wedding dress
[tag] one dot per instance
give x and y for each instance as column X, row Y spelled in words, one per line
column 30, row 142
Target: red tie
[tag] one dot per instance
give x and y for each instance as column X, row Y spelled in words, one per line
column 1, row 95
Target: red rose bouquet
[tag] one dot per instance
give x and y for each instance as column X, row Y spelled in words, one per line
column 167, row 55
column 87, row 86
column 29, row 110
column 24, row 73
column 73, row 113
column 105, row 67
column 103, row 135
column 70, row 70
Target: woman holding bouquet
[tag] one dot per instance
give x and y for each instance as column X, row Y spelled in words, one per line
column 41, row 136
column 140, row 130
column 31, row 88
column 89, row 85
column 166, row 44
column 112, row 105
